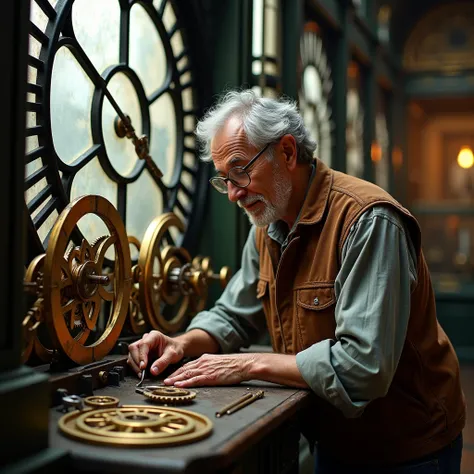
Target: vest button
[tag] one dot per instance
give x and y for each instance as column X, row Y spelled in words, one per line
column 316, row 301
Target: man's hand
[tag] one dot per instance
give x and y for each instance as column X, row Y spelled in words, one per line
column 166, row 349
column 212, row 369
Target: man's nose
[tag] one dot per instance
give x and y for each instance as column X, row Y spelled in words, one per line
column 234, row 192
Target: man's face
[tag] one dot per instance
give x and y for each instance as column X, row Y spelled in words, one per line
column 266, row 198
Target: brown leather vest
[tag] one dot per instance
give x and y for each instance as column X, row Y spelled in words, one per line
column 424, row 408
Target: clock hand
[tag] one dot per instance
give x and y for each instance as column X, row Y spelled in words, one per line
column 123, row 123
column 124, row 127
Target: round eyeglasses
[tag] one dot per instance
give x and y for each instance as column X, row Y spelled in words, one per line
column 238, row 175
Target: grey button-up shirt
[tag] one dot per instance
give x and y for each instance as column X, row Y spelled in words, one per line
column 372, row 289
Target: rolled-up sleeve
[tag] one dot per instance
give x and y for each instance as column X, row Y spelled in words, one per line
column 237, row 318
column 373, row 288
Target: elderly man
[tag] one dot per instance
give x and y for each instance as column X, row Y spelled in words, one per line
column 333, row 267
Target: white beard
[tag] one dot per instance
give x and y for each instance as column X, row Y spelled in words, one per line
column 271, row 212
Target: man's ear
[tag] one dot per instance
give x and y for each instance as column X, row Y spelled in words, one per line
column 289, row 149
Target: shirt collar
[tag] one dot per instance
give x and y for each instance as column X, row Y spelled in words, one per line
column 278, row 230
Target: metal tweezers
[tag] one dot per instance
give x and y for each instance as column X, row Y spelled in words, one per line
column 142, row 378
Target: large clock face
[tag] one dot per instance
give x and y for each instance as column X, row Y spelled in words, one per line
column 91, row 63
column 315, row 90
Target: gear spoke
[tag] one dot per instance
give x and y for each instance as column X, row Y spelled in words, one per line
column 72, row 308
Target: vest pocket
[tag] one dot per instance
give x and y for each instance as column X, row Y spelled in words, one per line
column 314, row 309
column 316, row 298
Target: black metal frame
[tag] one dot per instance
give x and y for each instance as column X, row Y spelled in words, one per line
column 57, row 192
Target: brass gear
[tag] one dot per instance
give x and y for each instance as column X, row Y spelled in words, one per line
column 74, row 286
column 169, row 395
column 136, row 425
column 153, row 288
column 98, row 401
column 135, row 317
column 34, row 281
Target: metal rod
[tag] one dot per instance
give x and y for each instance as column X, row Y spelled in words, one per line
column 100, row 279
column 255, row 396
column 223, row 411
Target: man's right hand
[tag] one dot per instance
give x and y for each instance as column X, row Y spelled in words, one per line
column 167, row 351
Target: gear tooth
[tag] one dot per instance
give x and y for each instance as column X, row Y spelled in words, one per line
column 68, row 252
column 78, row 323
column 170, row 395
column 98, row 240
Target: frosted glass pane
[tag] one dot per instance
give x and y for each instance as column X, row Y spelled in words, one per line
column 31, row 75
column 144, row 203
column 71, row 99
column 271, row 32
column 189, row 160
column 30, row 119
column 257, row 28
column 189, row 141
column 34, row 47
column 37, row 16
column 97, row 28
column 177, row 43
column 157, row 3
column 40, row 208
column 189, row 123
column 169, row 17
column 147, row 55
column 187, row 97
column 183, row 198
column 34, row 190
column 185, row 78
column 44, row 230
column 182, row 63
column 93, row 227
column 31, row 143
column 92, row 180
column 121, row 151
column 163, row 136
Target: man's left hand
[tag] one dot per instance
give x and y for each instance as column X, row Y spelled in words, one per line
column 213, row 369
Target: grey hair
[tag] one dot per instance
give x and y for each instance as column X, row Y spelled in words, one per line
column 264, row 121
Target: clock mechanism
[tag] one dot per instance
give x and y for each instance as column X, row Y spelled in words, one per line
column 114, row 189
column 111, row 110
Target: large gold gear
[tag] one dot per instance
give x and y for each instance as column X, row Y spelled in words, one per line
column 136, row 426
column 74, row 287
column 167, row 276
column 169, row 395
column 161, row 275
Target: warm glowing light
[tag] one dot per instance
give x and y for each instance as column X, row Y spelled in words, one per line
column 397, row 157
column 353, row 70
column 465, row 157
column 376, row 152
